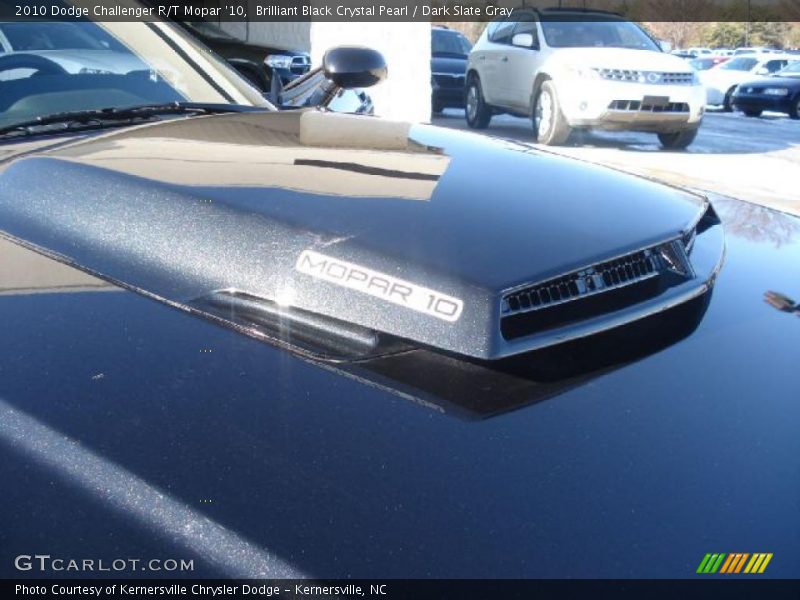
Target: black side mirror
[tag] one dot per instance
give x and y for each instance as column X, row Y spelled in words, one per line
column 354, row 66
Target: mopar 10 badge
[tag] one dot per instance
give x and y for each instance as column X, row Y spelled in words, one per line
column 380, row 285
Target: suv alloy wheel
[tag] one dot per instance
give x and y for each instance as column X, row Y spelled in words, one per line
column 549, row 124
column 478, row 112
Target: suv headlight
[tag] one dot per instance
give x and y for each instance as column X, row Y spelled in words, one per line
column 776, row 91
column 582, row 72
column 278, row 61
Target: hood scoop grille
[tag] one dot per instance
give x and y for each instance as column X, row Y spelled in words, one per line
column 595, row 290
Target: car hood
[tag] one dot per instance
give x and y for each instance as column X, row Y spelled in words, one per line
column 368, row 222
column 621, row 58
column 160, row 434
column 790, row 82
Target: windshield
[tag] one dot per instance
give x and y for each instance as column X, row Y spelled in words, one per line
column 20, row 37
column 65, row 67
column 596, row 34
column 449, row 42
column 740, row 64
column 790, row 70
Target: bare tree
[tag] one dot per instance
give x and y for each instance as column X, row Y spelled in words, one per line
column 678, row 33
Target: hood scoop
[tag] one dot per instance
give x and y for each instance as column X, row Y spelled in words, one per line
column 309, row 333
column 355, row 253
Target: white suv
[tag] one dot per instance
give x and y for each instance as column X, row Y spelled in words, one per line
column 578, row 70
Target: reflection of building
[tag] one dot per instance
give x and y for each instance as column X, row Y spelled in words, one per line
column 23, row 271
column 371, row 158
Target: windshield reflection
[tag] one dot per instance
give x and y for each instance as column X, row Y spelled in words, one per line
column 50, row 68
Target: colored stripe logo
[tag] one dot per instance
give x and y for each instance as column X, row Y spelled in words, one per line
column 736, row 562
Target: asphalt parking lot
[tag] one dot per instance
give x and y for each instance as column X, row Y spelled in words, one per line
column 753, row 159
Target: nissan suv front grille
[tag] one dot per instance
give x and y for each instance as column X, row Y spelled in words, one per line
column 650, row 77
column 639, row 106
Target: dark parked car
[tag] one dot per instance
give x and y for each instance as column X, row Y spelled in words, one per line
column 303, row 344
column 777, row 93
column 449, row 54
column 257, row 63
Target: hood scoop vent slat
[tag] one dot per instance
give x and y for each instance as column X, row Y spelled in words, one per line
column 595, row 290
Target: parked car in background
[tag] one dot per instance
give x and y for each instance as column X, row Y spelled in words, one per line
column 449, row 54
column 721, row 81
column 569, row 70
column 779, row 93
column 707, row 62
column 61, row 46
column 752, row 50
column 255, row 62
column 700, row 51
column 683, row 54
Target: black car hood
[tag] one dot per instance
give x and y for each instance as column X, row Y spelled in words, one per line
column 449, row 64
column 254, row 203
column 129, row 429
column 790, row 82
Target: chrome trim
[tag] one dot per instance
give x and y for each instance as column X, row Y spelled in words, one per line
column 646, row 77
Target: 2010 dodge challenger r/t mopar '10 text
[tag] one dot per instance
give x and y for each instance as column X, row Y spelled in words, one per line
column 293, row 343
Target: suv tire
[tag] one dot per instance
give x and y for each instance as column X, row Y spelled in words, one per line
column 678, row 140
column 727, row 102
column 794, row 113
column 550, row 127
column 477, row 111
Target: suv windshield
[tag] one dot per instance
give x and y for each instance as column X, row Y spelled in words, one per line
column 740, row 64
column 49, row 68
column 449, row 42
column 578, row 33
